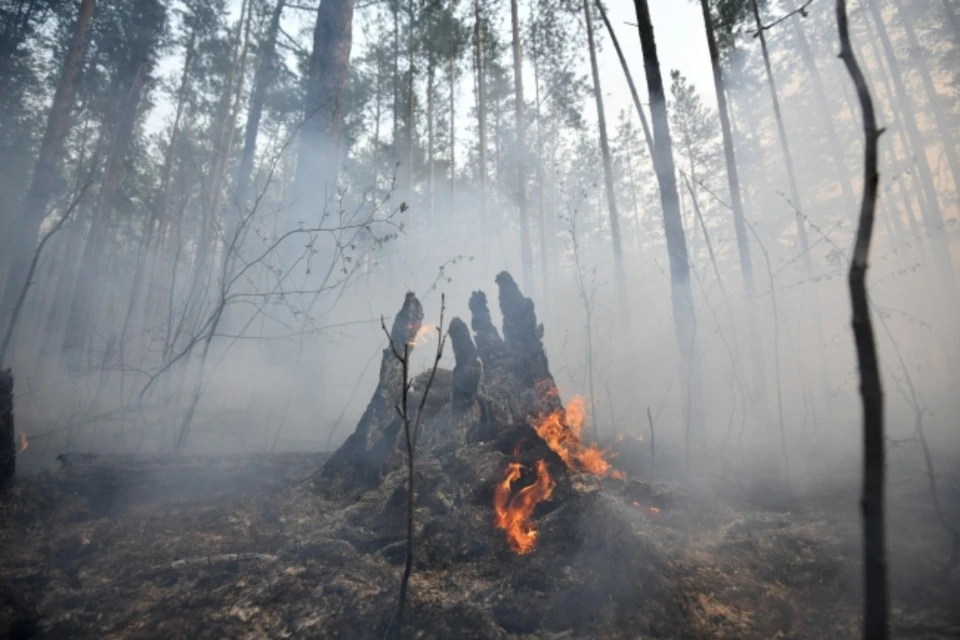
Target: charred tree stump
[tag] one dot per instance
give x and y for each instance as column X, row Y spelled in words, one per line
column 8, row 445
column 360, row 461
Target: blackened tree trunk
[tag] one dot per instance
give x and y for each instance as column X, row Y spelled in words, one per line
column 261, row 82
column 871, row 504
column 682, row 297
column 619, row 268
column 526, row 251
column 48, row 161
column 8, row 444
column 647, row 136
column 318, row 163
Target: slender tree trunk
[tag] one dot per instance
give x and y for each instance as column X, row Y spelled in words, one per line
column 526, row 253
column 541, row 213
column 48, row 162
column 619, row 268
column 431, row 173
column 683, row 310
column 739, row 226
column 84, row 296
column 482, row 132
column 871, row 504
column 453, row 132
column 784, row 143
column 932, row 214
column 261, row 82
column 411, row 103
column 824, row 111
column 945, row 128
column 626, row 72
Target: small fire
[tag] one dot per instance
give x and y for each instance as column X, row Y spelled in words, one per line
column 561, row 431
column 423, row 334
column 653, row 511
column 513, row 512
column 24, row 443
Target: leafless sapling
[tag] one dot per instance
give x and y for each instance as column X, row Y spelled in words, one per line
column 871, row 503
column 411, row 432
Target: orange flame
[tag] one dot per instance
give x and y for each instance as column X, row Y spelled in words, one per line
column 513, row 513
column 422, row 335
column 561, row 431
column 24, row 443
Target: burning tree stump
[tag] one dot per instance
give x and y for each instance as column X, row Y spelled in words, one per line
column 503, row 483
column 8, row 445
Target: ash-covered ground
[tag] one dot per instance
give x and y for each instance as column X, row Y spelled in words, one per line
column 256, row 547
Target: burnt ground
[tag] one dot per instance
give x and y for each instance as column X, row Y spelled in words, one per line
column 247, row 547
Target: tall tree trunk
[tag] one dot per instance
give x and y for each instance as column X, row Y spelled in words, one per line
column 319, row 160
column 682, row 294
column 758, row 368
column 453, row 132
column 85, row 295
column 158, row 214
column 526, row 249
column 411, row 104
column 824, row 111
column 431, row 175
column 541, row 212
column 619, row 268
column 48, row 162
column 482, row 131
column 262, row 80
column 626, row 72
column 794, row 195
column 784, row 143
column 932, row 213
column 945, row 128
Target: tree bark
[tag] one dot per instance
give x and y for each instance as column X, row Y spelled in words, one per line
column 526, row 252
column 683, row 310
column 619, row 268
column 261, row 81
column 319, row 160
column 872, row 501
column 48, row 161
column 431, row 173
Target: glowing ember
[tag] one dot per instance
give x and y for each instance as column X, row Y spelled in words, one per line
column 513, row 513
column 423, row 334
column 653, row 511
column 24, row 443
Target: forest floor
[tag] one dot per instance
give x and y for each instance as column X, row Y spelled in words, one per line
column 243, row 547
